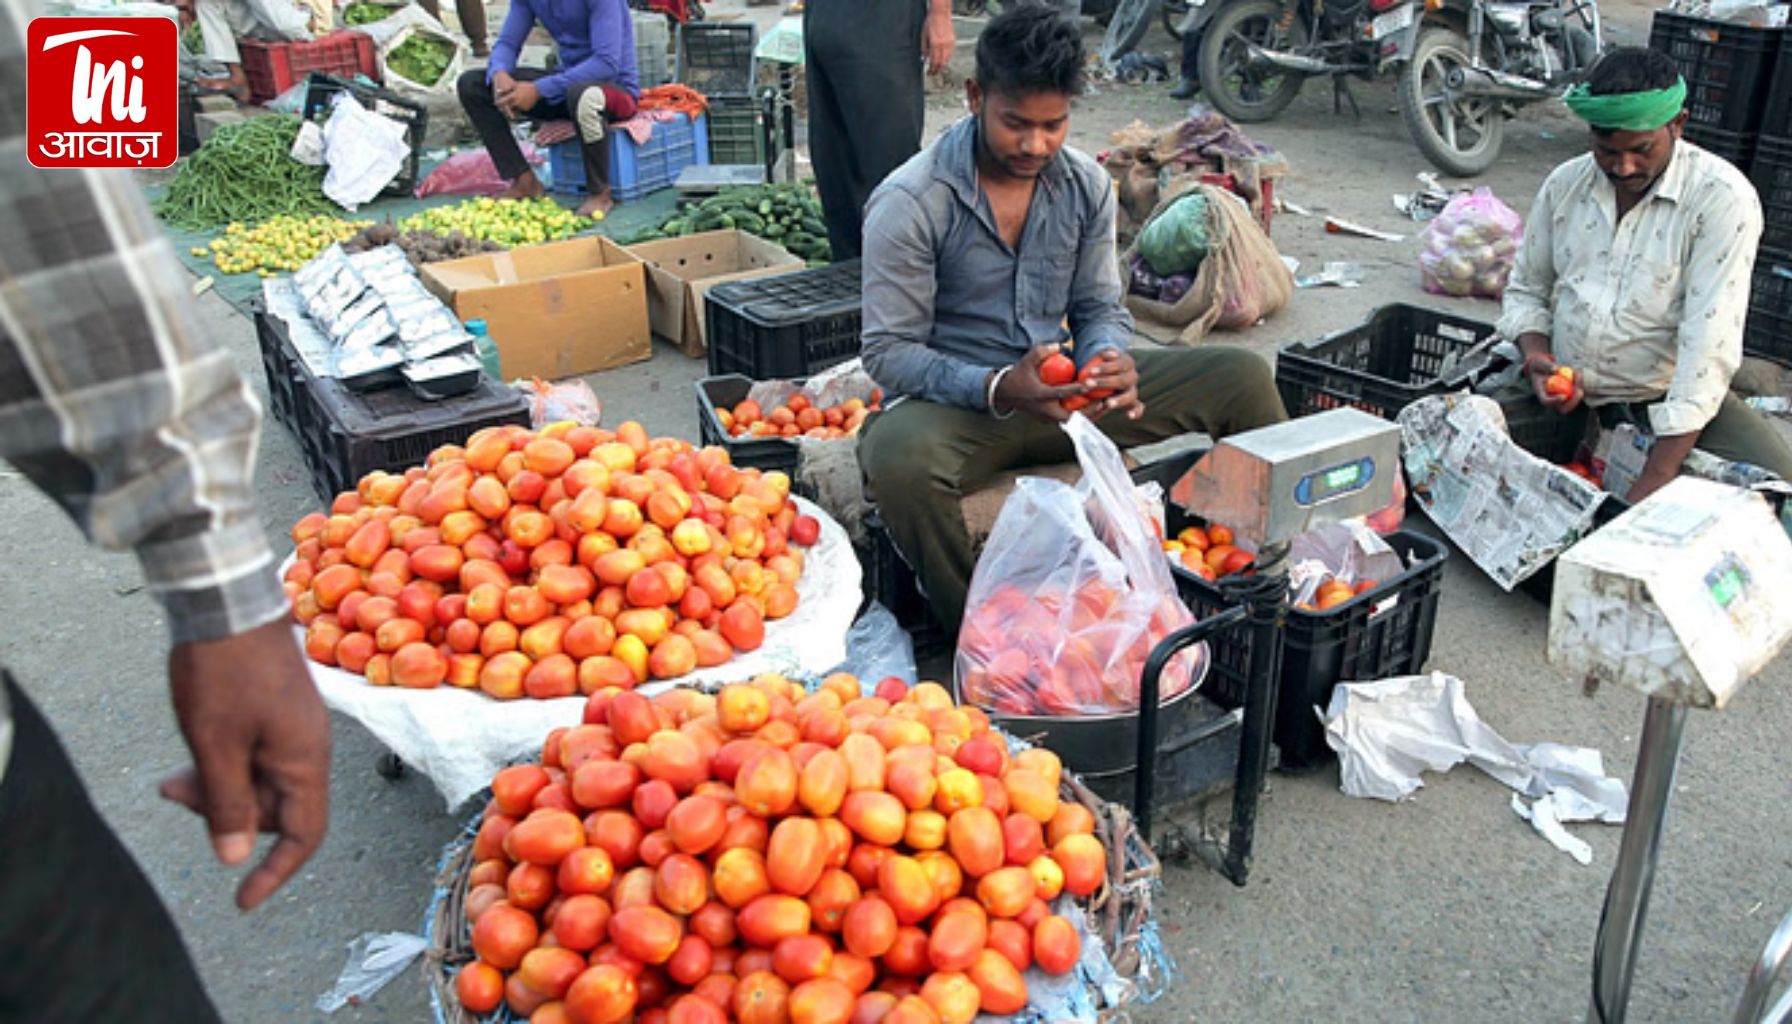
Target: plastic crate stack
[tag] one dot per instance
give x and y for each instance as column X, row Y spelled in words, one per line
column 1729, row 69
column 1769, row 331
column 653, row 49
column 716, row 59
column 274, row 66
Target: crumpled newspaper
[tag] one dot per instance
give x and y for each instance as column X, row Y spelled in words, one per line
column 1386, row 732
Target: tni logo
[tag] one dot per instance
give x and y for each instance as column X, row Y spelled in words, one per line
column 103, row 92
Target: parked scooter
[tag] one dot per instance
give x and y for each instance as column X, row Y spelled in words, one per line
column 1465, row 66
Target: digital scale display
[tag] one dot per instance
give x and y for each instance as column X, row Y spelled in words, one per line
column 1727, row 582
column 1323, row 485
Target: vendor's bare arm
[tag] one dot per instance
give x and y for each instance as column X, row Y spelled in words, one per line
column 1662, row 465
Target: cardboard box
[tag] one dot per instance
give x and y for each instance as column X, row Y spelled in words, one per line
column 1683, row 597
column 554, row 310
column 681, row 270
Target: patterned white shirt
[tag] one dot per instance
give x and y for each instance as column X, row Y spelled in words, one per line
column 1649, row 307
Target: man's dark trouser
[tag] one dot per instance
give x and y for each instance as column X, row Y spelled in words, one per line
column 85, row 937
column 866, row 97
column 921, row 458
column 1737, row 433
column 494, row 128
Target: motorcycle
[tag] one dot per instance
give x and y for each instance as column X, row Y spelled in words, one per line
column 1469, row 65
column 1464, row 66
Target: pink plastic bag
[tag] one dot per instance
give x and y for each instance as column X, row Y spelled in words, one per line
column 1470, row 246
column 1070, row 595
column 470, row 173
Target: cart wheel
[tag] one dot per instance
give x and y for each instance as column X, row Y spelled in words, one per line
column 390, row 766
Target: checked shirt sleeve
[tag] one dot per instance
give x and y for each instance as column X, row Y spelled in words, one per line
column 111, row 400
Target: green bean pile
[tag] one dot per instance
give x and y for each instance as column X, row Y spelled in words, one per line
column 244, row 173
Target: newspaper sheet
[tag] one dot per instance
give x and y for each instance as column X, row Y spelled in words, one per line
column 1509, row 510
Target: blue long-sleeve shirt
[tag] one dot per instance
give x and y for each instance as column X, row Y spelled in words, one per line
column 946, row 300
column 596, row 40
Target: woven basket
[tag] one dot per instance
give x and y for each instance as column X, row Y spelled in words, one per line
column 1117, row 912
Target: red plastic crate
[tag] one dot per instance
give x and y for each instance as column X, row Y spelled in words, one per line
column 274, row 66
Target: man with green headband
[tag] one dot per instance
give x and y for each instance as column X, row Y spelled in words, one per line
column 1635, row 273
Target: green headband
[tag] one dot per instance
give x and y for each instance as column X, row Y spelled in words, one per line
column 1628, row 111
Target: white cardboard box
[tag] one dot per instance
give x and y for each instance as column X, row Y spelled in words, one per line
column 1684, row 597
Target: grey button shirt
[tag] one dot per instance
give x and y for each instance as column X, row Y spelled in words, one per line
column 946, row 300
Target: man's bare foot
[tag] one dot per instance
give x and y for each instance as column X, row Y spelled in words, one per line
column 596, row 203
column 238, row 91
column 526, row 186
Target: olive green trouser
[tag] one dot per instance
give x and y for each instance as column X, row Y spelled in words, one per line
column 1737, row 433
column 921, row 458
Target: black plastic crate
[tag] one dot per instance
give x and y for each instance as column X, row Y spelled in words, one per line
column 1769, row 331
column 1772, row 175
column 1400, row 355
column 734, row 131
column 1385, row 631
column 1736, row 147
column 784, row 326
column 1728, row 67
column 1776, row 119
column 768, row 453
column 280, row 364
column 716, row 58
column 319, row 89
column 344, row 435
column 890, row 582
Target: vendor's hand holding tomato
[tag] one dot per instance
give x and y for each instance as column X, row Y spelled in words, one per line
column 1024, row 388
column 1112, row 380
column 1558, row 387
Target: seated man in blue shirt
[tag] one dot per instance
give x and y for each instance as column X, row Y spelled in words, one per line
column 596, row 84
column 977, row 252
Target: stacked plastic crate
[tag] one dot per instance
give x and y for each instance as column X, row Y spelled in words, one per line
column 1769, row 332
column 716, row 59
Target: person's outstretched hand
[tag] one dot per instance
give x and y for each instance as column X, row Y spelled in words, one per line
column 260, row 739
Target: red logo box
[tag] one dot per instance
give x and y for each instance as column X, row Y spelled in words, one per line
column 102, row 92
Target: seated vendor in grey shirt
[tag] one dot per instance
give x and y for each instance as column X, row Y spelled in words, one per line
column 978, row 252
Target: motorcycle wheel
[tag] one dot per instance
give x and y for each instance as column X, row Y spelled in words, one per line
column 969, row 8
column 1173, row 13
column 1460, row 136
column 1127, row 25
column 1237, row 90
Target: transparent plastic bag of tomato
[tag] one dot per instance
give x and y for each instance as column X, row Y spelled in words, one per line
column 1070, row 595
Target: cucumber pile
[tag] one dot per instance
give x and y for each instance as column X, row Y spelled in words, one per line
column 789, row 215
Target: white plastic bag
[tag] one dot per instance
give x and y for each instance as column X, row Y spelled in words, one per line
column 1070, row 595
column 365, row 152
column 373, row 961
column 1471, row 246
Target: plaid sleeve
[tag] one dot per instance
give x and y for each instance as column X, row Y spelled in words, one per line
column 111, row 400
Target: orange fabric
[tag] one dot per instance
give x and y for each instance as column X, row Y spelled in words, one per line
column 680, row 98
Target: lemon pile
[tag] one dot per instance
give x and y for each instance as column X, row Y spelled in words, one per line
column 278, row 243
column 508, row 222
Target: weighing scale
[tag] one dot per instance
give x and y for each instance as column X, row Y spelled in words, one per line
column 1269, row 485
column 1678, row 599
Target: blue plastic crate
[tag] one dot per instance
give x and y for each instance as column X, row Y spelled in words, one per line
column 636, row 169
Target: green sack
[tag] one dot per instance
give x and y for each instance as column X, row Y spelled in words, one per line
column 1176, row 241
